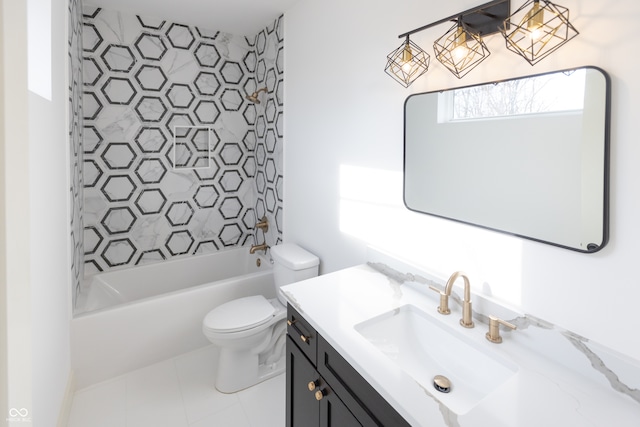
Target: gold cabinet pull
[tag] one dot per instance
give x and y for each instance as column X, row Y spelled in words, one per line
column 305, row 339
column 313, row 385
column 494, row 329
column 319, row 395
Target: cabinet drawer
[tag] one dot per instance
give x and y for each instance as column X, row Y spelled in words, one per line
column 360, row 397
column 302, row 334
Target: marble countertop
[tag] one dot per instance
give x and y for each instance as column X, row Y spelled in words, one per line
column 562, row 379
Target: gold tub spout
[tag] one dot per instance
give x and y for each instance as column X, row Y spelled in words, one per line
column 262, row 247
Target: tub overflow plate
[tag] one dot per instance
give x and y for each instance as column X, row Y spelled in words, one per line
column 442, row 384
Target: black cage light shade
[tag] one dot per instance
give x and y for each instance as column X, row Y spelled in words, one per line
column 534, row 31
column 460, row 50
column 407, row 63
column 537, row 29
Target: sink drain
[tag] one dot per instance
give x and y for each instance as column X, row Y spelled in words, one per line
column 442, row 384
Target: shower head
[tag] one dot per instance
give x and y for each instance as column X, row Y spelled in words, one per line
column 254, row 96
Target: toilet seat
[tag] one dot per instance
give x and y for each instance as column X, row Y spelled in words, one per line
column 239, row 315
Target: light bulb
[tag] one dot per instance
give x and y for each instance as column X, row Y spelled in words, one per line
column 407, row 57
column 461, row 50
column 535, row 34
column 535, row 20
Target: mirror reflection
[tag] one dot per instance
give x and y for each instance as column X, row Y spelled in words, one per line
column 526, row 156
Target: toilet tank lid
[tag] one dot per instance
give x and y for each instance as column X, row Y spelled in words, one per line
column 293, row 256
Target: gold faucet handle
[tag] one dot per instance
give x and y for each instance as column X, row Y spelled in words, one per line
column 443, row 308
column 494, row 329
column 263, row 224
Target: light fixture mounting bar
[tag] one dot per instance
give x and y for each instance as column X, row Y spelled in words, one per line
column 485, row 19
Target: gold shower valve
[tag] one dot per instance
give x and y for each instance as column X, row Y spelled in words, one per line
column 263, row 224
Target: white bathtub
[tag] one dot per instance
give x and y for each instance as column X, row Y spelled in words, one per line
column 131, row 318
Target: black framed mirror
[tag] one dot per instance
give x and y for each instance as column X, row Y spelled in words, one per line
column 527, row 156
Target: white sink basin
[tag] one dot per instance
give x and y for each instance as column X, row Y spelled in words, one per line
column 424, row 347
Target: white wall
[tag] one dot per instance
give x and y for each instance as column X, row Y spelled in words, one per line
column 4, row 372
column 36, row 186
column 15, row 250
column 49, row 204
column 343, row 159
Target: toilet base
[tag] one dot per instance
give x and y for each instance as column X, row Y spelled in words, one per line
column 251, row 356
column 233, row 380
column 266, row 372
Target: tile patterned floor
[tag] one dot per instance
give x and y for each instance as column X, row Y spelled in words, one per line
column 178, row 392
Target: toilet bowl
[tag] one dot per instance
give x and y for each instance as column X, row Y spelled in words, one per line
column 250, row 331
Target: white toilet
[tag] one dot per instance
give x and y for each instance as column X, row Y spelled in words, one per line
column 250, row 331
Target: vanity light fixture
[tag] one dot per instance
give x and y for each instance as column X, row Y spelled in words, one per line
column 460, row 50
column 542, row 27
column 540, row 31
column 407, row 63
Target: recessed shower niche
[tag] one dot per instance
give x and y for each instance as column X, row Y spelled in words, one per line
column 191, row 147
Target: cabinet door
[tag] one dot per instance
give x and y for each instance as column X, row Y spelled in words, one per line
column 334, row 413
column 369, row 408
column 303, row 409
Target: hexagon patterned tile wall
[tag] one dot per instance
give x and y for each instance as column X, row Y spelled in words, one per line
column 76, row 136
column 146, row 78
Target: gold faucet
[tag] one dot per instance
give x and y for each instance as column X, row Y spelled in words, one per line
column 263, row 224
column 262, row 247
column 494, row 329
column 443, row 308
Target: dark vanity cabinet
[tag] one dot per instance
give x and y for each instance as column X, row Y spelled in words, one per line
column 323, row 389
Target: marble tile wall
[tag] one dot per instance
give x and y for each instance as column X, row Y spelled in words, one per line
column 269, row 46
column 75, row 145
column 146, row 79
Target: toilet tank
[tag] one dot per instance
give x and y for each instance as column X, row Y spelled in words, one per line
column 291, row 264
